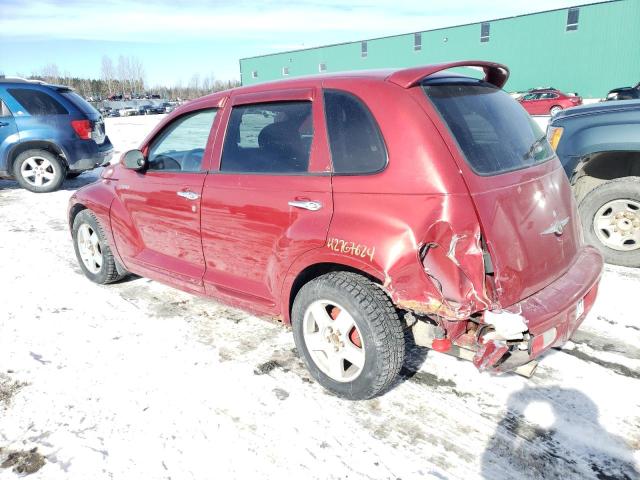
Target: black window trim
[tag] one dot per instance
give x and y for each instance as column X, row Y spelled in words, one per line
column 219, row 170
column 167, row 126
column 375, row 122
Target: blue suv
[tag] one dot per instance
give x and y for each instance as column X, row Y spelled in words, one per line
column 48, row 133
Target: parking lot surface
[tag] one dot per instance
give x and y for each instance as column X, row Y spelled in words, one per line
column 141, row 381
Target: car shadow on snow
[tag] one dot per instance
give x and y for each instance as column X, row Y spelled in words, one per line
column 552, row 432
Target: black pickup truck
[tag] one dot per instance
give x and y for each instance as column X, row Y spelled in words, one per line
column 599, row 147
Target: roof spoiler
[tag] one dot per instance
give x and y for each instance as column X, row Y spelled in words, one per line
column 494, row 73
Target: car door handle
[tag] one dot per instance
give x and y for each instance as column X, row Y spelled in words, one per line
column 3, row 124
column 188, row 195
column 306, row 204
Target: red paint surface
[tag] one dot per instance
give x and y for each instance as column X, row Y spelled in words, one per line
column 423, row 216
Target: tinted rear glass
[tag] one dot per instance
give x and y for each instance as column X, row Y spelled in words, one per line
column 36, row 102
column 79, row 102
column 354, row 137
column 494, row 132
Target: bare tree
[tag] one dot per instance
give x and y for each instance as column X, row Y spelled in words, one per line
column 123, row 72
column 137, row 73
column 108, row 73
column 51, row 73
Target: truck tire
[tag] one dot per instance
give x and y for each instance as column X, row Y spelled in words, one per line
column 610, row 215
column 39, row 171
column 348, row 334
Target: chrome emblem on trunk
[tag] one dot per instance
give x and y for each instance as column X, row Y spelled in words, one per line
column 556, row 228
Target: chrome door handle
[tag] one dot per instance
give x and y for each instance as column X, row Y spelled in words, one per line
column 188, row 195
column 306, row 204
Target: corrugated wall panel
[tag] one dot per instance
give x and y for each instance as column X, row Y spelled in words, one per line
column 603, row 53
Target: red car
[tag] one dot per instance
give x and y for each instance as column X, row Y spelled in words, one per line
column 548, row 101
column 354, row 206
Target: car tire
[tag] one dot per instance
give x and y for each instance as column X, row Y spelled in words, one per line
column 72, row 175
column 348, row 334
column 93, row 251
column 606, row 211
column 39, row 171
column 554, row 110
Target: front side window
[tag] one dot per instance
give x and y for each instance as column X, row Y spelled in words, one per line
column 356, row 144
column 493, row 132
column 531, row 96
column 36, row 102
column 268, row 138
column 180, row 147
column 573, row 15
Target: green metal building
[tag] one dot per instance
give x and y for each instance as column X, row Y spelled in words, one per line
column 588, row 49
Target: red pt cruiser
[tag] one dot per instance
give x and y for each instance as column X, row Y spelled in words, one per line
column 353, row 206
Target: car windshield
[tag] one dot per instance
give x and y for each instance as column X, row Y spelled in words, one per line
column 79, row 102
column 494, row 133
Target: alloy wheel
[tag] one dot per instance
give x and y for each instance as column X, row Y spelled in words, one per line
column 89, row 248
column 333, row 340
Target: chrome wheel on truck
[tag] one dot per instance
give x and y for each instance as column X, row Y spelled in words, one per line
column 610, row 215
column 617, row 224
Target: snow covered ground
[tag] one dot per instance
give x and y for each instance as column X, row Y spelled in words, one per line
column 141, row 381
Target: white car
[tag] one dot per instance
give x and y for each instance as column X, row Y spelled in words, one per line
column 128, row 111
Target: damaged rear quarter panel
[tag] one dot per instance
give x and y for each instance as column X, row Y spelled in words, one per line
column 417, row 207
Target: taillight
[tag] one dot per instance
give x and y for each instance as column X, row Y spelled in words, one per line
column 82, row 128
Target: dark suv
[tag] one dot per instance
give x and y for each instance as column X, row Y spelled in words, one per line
column 47, row 133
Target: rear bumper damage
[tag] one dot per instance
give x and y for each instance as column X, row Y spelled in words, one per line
column 511, row 339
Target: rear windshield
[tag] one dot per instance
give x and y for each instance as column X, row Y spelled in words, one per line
column 79, row 102
column 495, row 134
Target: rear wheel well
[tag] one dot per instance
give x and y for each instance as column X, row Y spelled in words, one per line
column 319, row 269
column 33, row 145
column 598, row 168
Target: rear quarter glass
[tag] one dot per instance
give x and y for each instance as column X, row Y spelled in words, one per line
column 494, row 133
column 37, row 102
column 79, row 102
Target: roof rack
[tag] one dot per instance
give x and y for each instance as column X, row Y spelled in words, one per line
column 4, row 79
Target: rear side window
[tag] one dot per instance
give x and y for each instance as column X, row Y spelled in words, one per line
column 268, row 138
column 79, row 102
column 354, row 137
column 494, row 132
column 36, row 102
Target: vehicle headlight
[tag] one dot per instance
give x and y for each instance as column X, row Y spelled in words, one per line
column 553, row 135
